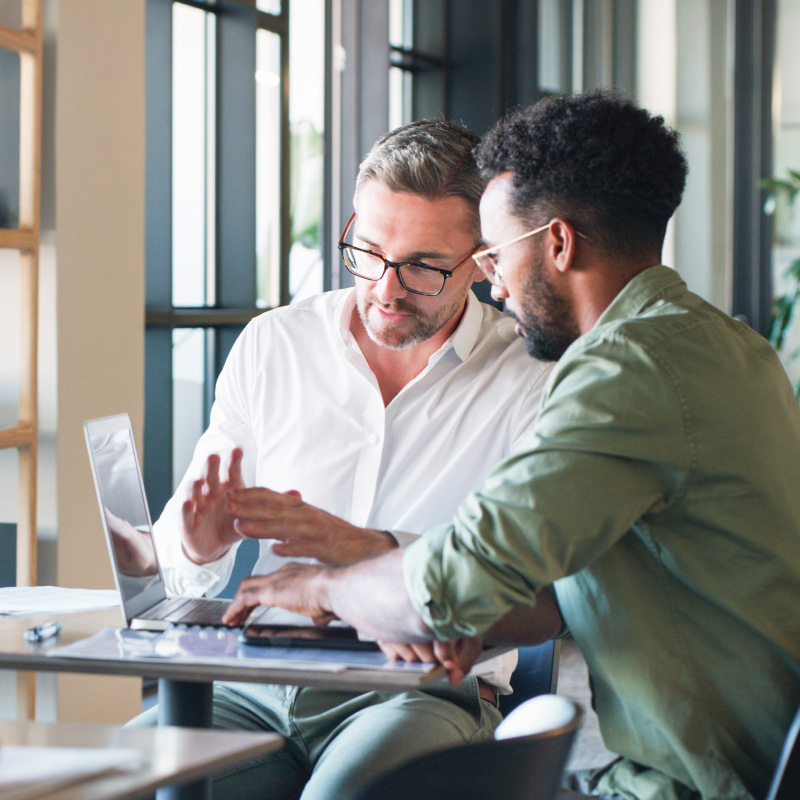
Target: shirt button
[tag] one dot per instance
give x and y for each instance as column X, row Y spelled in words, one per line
column 372, row 439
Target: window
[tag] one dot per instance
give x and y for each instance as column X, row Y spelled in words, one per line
column 234, row 197
column 786, row 158
column 418, row 48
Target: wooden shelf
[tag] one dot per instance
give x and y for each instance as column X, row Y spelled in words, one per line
column 19, row 41
column 18, row 436
column 21, row 239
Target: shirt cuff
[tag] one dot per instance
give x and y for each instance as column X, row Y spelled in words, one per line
column 424, row 581
column 185, row 578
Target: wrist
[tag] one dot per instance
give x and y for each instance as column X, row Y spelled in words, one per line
column 201, row 559
column 324, row 586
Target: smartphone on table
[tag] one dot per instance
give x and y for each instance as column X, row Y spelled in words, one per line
column 333, row 637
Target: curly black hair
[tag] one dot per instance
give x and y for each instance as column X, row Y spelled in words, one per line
column 595, row 159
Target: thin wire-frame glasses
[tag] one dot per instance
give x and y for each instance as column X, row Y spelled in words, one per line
column 487, row 259
column 414, row 277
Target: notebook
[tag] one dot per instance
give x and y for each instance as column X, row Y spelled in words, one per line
column 129, row 533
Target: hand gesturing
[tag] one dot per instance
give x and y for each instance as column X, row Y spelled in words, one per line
column 208, row 531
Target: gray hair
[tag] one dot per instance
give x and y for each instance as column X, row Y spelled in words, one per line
column 431, row 158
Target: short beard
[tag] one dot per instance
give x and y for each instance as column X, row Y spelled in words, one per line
column 425, row 328
column 544, row 319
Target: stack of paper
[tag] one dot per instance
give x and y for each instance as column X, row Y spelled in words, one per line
column 20, row 600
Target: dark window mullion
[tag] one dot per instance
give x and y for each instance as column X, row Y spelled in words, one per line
column 157, row 450
column 236, row 157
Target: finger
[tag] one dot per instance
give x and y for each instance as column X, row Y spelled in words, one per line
column 244, row 601
column 446, row 655
column 212, row 473
column 260, row 496
column 289, row 549
column 294, row 493
column 187, row 512
column 238, row 611
column 405, row 652
column 424, row 652
column 389, row 649
column 263, row 529
column 235, row 466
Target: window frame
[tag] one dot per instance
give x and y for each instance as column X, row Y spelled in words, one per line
column 235, row 221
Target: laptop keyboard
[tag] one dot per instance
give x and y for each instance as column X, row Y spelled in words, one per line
column 189, row 611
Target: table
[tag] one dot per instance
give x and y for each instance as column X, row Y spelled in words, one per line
column 184, row 689
column 170, row 754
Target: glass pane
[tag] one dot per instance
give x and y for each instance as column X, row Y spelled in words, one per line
column 401, row 86
column 268, row 155
column 9, row 335
column 306, row 119
column 9, row 139
column 400, row 23
column 270, row 6
column 786, row 248
column 192, row 156
column 188, row 396
column 553, row 77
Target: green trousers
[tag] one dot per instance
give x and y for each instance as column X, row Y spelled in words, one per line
column 336, row 742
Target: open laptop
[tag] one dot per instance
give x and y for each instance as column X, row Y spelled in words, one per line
column 129, row 533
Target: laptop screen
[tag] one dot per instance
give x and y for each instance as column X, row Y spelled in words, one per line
column 123, row 504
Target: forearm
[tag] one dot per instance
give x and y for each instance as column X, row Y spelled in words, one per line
column 527, row 625
column 372, row 597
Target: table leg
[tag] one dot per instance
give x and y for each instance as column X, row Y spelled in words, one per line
column 187, row 704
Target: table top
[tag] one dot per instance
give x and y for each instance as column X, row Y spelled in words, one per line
column 170, row 754
column 16, row 653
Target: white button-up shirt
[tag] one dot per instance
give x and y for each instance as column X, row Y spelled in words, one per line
column 297, row 395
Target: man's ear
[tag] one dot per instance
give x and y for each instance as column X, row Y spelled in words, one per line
column 477, row 275
column 562, row 243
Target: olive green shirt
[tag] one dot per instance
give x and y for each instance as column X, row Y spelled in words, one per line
column 660, row 494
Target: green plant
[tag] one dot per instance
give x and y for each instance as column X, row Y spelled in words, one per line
column 784, row 305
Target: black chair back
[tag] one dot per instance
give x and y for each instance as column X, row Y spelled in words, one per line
column 536, row 673
column 521, row 768
column 786, row 780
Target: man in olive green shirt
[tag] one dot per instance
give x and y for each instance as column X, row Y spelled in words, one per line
column 658, row 496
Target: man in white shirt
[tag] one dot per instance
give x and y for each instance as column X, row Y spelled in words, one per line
column 377, row 407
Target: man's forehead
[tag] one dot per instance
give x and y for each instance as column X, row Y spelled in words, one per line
column 496, row 210
column 379, row 212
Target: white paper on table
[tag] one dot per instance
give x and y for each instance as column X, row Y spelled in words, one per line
column 21, row 600
column 27, row 772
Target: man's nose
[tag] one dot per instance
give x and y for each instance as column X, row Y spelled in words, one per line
column 499, row 293
column 389, row 288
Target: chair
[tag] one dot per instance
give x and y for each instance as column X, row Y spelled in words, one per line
column 786, row 780
column 525, row 761
column 536, row 673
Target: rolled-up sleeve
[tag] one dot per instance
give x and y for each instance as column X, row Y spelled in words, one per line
column 597, row 461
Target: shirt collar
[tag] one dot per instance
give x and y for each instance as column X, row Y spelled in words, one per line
column 650, row 285
column 462, row 339
column 466, row 334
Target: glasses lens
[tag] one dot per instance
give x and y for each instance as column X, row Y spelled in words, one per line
column 365, row 265
column 421, row 280
column 487, row 267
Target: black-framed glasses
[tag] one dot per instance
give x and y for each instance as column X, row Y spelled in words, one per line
column 414, row 277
